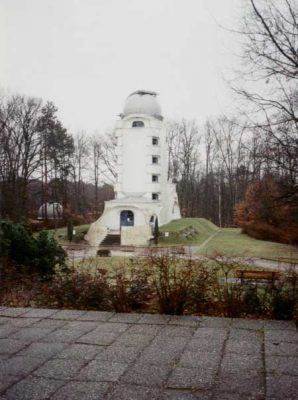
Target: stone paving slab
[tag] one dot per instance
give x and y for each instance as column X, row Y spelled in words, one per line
column 42, row 351
column 39, row 313
column 69, row 354
column 11, row 346
column 33, row 388
column 82, row 391
column 95, row 316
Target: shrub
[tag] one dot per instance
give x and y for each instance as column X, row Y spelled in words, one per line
column 228, row 293
column 253, row 303
column 172, row 279
column 69, row 230
column 130, row 288
column 283, row 304
column 202, row 291
column 269, row 211
column 34, row 255
column 263, row 231
column 48, row 254
column 17, row 243
column 284, row 297
column 82, row 290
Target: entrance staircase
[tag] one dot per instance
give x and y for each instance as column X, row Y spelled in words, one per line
column 111, row 240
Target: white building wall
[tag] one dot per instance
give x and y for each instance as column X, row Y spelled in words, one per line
column 134, row 157
column 134, row 186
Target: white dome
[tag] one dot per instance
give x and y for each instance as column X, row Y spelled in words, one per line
column 50, row 210
column 142, row 102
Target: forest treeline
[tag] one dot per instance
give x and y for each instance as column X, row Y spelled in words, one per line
column 240, row 170
column 41, row 162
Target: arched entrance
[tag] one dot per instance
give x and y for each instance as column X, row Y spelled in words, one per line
column 126, row 218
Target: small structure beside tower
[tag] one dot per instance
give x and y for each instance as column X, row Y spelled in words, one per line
column 144, row 196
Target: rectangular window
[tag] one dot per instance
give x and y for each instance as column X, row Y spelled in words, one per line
column 155, row 196
column 155, row 141
column 138, row 124
column 154, row 178
column 154, row 159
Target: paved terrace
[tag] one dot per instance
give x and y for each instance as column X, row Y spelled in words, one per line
column 59, row 354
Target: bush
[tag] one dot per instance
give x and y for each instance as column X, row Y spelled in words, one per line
column 17, row 243
column 253, row 303
column 48, row 254
column 34, row 255
column 82, row 290
column 268, row 212
column 228, row 293
column 285, row 296
column 130, row 288
column 202, row 289
column 283, row 305
column 263, row 231
column 173, row 280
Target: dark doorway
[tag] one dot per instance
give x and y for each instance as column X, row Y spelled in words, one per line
column 126, row 218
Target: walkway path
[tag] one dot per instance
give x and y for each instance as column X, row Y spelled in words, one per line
column 59, row 355
column 195, row 249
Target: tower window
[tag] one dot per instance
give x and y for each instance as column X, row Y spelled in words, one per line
column 155, row 160
column 155, row 196
column 155, row 141
column 138, row 124
column 154, row 178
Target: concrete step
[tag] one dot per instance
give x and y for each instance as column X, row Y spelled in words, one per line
column 111, row 240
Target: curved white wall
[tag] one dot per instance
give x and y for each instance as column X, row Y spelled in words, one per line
column 134, row 186
column 135, row 151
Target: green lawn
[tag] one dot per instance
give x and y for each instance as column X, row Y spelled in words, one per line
column 195, row 231
column 231, row 242
column 94, row 264
column 187, row 231
column 61, row 234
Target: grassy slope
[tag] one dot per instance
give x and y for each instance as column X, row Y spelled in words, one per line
column 179, row 227
column 228, row 241
column 232, row 242
column 61, row 234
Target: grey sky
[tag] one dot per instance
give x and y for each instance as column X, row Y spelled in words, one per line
column 87, row 56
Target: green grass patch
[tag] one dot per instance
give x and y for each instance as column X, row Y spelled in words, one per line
column 60, row 234
column 231, row 242
column 194, row 232
column 187, row 231
column 94, row 264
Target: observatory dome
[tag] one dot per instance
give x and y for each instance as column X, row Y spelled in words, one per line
column 50, row 210
column 142, row 102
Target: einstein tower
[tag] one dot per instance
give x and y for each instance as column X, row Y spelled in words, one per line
column 143, row 192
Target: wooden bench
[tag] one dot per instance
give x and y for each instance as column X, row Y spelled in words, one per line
column 256, row 276
column 177, row 250
column 152, row 251
column 104, row 252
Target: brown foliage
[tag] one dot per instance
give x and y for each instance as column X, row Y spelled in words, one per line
column 170, row 285
column 266, row 213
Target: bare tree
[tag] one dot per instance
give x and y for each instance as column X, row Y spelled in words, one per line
column 79, row 165
column 20, row 149
column 183, row 150
column 56, row 156
column 270, row 41
column 103, row 160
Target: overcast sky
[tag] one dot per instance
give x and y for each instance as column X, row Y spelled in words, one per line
column 87, row 56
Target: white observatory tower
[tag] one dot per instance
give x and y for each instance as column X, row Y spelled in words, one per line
column 143, row 192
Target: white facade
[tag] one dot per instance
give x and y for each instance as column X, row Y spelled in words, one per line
column 143, row 192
